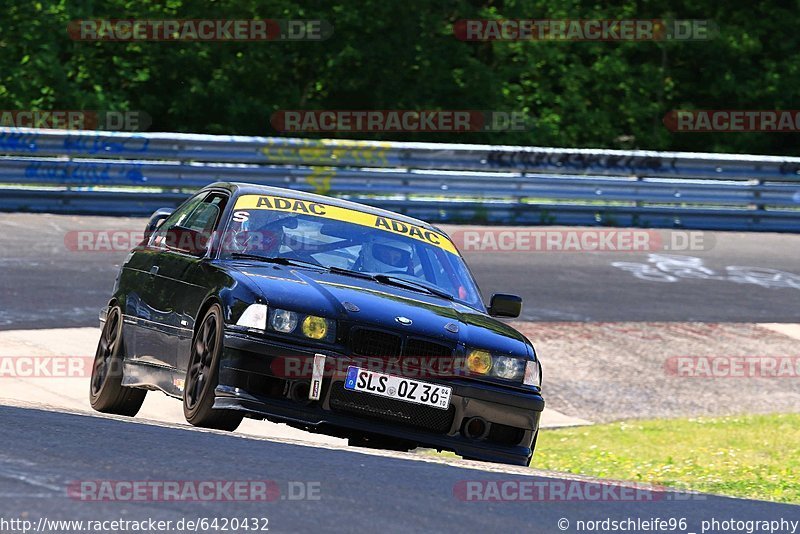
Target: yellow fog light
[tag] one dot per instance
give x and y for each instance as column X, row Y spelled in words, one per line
column 315, row 327
column 479, row 361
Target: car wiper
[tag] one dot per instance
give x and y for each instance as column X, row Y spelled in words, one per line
column 392, row 280
column 349, row 272
column 409, row 284
column 280, row 260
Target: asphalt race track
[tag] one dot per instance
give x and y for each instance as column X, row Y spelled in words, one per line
column 44, row 453
column 47, row 283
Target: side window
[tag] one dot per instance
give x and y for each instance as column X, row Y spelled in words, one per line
column 176, row 219
column 206, row 216
column 200, row 214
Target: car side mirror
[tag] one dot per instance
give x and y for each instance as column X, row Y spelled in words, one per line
column 156, row 219
column 503, row 305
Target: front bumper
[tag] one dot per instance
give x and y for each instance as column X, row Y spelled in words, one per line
column 250, row 380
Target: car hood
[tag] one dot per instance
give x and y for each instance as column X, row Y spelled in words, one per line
column 380, row 305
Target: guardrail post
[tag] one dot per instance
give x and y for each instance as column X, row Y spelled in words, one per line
column 519, row 205
column 760, row 207
column 757, row 195
column 66, row 200
column 406, row 187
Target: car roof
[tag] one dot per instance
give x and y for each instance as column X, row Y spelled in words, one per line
column 241, row 188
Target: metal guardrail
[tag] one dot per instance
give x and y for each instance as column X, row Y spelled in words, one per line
column 133, row 174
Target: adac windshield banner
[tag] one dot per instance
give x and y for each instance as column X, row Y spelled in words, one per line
column 338, row 213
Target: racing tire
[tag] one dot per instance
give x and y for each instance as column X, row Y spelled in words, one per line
column 202, row 377
column 106, row 392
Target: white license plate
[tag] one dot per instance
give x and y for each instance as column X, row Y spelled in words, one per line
column 398, row 387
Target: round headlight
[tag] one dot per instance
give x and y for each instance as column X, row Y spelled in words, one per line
column 315, row 327
column 284, row 321
column 479, row 361
column 508, row 368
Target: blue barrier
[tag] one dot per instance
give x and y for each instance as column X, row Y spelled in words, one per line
column 134, row 173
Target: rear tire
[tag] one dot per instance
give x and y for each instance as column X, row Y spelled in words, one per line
column 202, row 377
column 106, row 392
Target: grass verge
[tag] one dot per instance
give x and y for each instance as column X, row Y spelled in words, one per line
column 754, row 456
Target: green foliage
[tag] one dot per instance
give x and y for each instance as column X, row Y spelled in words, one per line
column 403, row 55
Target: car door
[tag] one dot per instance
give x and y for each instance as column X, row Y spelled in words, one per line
column 180, row 286
column 152, row 341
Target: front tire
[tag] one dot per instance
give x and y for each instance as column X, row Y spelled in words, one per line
column 106, row 392
column 202, row 377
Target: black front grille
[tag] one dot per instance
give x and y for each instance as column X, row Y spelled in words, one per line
column 380, row 344
column 419, row 348
column 374, row 343
column 397, row 411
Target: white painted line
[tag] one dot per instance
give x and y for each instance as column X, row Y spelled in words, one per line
column 554, row 419
column 787, row 329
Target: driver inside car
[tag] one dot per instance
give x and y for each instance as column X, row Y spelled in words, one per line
column 384, row 255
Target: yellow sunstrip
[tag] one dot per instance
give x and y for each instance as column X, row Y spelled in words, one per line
column 326, row 211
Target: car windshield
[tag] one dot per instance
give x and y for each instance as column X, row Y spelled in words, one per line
column 345, row 239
